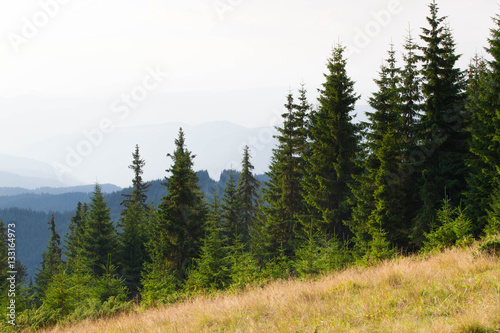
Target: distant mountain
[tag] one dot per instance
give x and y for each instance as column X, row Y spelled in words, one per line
column 217, row 146
column 61, row 200
column 32, row 233
column 106, row 188
column 30, row 173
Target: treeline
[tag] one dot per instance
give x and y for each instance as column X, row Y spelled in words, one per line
column 421, row 174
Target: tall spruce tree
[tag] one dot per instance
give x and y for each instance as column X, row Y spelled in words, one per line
column 483, row 104
column 282, row 196
column 51, row 261
column 248, row 194
column 230, row 211
column 481, row 179
column 132, row 240
column 443, row 137
column 182, row 215
column 411, row 106
column 384, row 224
column 334, row 143
column 99, row 240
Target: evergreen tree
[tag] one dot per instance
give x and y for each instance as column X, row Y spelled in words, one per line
column 442, row 125
column 333, row 146
column 247, row 193
column 99, row 241
column 481, row 179
column 73, row 247
column 139, row 187
column 382, row 221
column 411, row 97
column 132, row 240
column 212, row 271
column 182, row 214
column 411, row 106
column 282, row 196
column 230, row 211
column 483, row 104
column 51, row 261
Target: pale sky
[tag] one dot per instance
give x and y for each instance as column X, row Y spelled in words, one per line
column 69, row 65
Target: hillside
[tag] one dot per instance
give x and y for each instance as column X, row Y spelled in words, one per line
column 454, row 291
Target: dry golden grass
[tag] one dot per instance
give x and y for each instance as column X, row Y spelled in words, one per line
column 454, row 291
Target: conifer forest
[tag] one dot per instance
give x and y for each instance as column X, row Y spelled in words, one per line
column 421, row 174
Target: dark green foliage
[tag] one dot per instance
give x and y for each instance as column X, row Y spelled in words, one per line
column 282, row 196
column 182, row 214
column 134, row 222
column 230, row 211
column 51, row 261
column 132, row 250
column 483, row 104
column 379, row 219
column 333, row 147
column 443, row 137
column 247, row 193
column 99, row 240
column 481, row 178
column 139, row 187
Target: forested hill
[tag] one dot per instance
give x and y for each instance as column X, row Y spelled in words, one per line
column 32, row 211
column 47, row 200
column 106, row 188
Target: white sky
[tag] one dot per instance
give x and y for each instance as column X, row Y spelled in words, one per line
column 67, row 74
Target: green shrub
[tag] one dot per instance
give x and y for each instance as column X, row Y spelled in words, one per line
column 490, row 244
column 453, row 228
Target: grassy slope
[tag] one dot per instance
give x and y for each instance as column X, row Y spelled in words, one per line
column 454, row 291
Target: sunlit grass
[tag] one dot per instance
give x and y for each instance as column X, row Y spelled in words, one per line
column 454, row 291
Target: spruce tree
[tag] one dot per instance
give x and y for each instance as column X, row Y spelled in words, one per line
column 182, row 215
column 382, row 221
column 139, row 187
column 483, row 104
column 99, row 240
column 212, row 271
column 411, row 98
column 132, row 240
column 247, row 193
column 411, row 106
column 73, row 247
column 282, row 196
column 334, row 143
column 442, row 124
column 481, row 179
column 230, row 211
column 51, row 261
